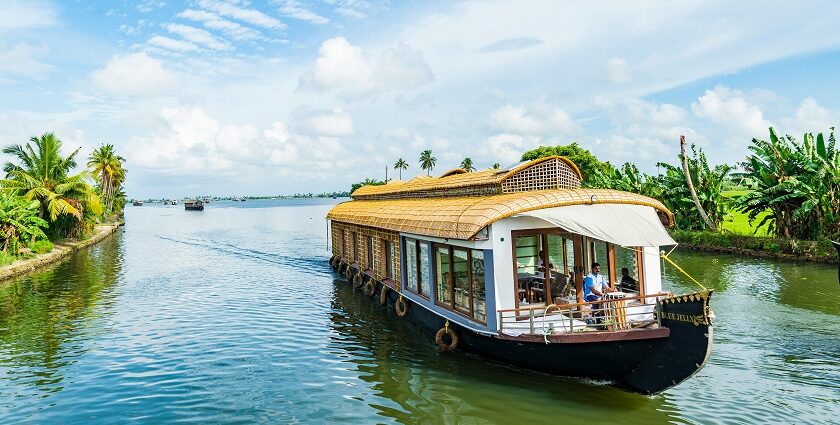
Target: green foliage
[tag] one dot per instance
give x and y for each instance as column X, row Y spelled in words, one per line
column 821, row 249
column 708, row 182
column 467, row 165
column 68, row 202
column 41, row 247
column 6, row 258
column 18, row 221
column 586, row 162
column 796, row 183
column 628, row 178
column 366, row 182
column 427, row 161
column 107, row 166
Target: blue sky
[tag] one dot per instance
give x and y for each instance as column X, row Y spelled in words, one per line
column 238, row 97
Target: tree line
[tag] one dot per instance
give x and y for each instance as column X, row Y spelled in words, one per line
column 42, row 202
column 791, row 187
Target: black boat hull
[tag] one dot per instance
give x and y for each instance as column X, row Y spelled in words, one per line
column 651, row 364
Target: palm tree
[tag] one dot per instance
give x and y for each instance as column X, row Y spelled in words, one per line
column 107, row 166
column 427, row 161
column 43, row 176
column 401, row 165
column 467, row 165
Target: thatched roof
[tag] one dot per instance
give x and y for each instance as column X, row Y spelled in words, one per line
column 551, row 172
column 462, row 217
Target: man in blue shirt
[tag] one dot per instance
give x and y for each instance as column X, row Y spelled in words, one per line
column 594, row 284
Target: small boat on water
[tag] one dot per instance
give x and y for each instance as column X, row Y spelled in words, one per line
column 137, row 203
column 495, row 262
column 193, row 205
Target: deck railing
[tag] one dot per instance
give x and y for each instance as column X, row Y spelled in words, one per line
column 604, row 315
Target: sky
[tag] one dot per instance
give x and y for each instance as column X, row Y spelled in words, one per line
column 233, row 97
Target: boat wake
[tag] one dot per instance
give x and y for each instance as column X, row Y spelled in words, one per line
column 313, row 265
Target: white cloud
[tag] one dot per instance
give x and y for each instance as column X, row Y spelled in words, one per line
column 618, row 71
column 538, row 120
column 215, row 22
column 350, row 71
column 189, row 142
column 199, row 36
column 321, row 122
column 251, row 16
column 137, row 74
column 172, row 44
column 730, row 108
column 509, row 147
column 25, row 15
column 21, row 61
column 642, row 131
column 350, row 13
column 809, row 117
column 293, row 9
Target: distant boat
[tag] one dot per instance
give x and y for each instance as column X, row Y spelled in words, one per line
column 137, row 203
column 193, row 205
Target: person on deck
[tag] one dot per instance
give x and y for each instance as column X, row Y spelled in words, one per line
column 595, row 284
column 627, row 281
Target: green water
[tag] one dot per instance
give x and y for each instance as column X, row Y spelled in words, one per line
column 232, row 315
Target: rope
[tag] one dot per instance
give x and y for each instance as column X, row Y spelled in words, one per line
column 666, row 257
column 446, row 325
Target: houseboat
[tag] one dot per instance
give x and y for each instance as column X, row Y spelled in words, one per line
column 193, row 205
column 494, row 262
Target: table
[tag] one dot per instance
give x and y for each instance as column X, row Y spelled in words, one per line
column 615, row 311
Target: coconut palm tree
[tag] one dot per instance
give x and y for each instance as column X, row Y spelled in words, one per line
column 43, row 176
column 401, row 165
column 108, row 167
column 427, row 161
column 467, row 165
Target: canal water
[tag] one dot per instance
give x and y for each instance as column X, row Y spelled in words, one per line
column 232, row 315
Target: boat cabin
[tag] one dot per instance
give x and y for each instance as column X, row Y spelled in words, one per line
column 489, row 249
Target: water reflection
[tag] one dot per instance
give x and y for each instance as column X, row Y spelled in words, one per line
column 411, row 382
column 44, row 316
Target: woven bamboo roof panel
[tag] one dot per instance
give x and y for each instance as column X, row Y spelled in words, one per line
column 463, row 217
column 553, row 172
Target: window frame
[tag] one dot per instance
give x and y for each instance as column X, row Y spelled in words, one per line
column 451, row 284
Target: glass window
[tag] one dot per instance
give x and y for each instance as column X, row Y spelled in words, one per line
column 411, row 264
column 354, row 254
column 444, row 277
column 555, row 272
column 425, row 284
column 478, row 289
column 388, row 247
column 461, row 280
column 369, row 253
column 600, row 255
column 627, row 266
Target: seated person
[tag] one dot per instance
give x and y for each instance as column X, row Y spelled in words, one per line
column 627, row 281
column 595, row 285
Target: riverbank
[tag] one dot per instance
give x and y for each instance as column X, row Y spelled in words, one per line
column 60, row 251
column 756, row 246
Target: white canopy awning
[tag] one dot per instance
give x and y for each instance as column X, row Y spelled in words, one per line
column 621, row 224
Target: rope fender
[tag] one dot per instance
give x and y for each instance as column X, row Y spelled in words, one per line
column 383, row 294
column 401, row 306
column 453, row 338
column 370, row 288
